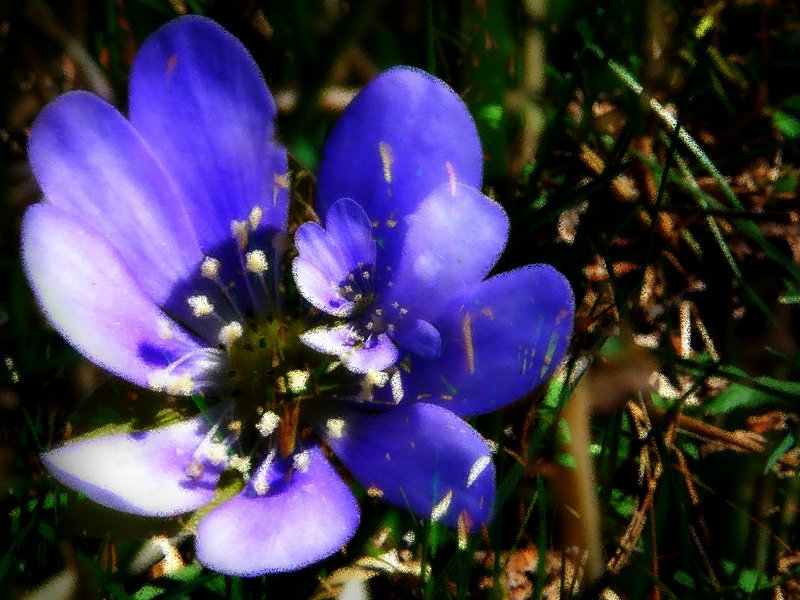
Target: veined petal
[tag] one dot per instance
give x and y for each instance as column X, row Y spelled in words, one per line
column 404, row 135
column 453, row 240
column 90, row 297
column 359, row 355
column 316, row 246
column 303, row 517
column 91, row 163
column 418, row 456
column 375, row 354
column 349, row 226
column 198, row 99
column 320, row 291
column 499, row 340
column 143, row 473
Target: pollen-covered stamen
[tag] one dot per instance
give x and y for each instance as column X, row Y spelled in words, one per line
column 255, row 217
column 301, row 461
column 268, row 423
column 210, row 267
column 240, row 231
column 256, row 262
column 201, row 306
column 335, row 427
column 217, row 454
column 259, row 481
column 229, row 333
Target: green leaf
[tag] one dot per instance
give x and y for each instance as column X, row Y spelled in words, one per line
column 738, row 396
column 787, row 124
column 779, row 451
column 566, row 460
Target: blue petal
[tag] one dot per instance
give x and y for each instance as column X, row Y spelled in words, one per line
column 419, row 456
column 90, row 297
column 198, row 99
column 142, row 473
column 303, row 517
column 453, row 240
column 499, row 340
column 349, row 226
column 418, row 336
column 404, row 135
column 91, row 163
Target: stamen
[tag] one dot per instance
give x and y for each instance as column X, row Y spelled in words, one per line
column 217, row 454
column 259, row 481
column 335, row 428
column 397, row 386
column 297, row 381
column 241, row 464
column 240, row 232
column 378, row 378
column 255, row 217
column 230, row 333
column 256, row 261
column 301, row 461
column 210, row 268
column 201, row 306
column 268, row 423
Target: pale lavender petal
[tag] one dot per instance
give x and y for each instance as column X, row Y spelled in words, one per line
column 349, row 225
column 320, row 291
column 377, row 353
column 359, row 355
column 316, row 246
column 143, row 473
column 418, row 456
column 404, row 135
column 198, row 99
column 499, row 341
column 93, row 301
column 338, row 340
column 418, row 336
column 92, row 164
column 454, row 239
column 302, row 518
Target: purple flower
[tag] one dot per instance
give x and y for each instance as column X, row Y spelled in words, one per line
column 407, row 245
column 156, row 255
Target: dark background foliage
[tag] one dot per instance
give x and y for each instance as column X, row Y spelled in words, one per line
column 682, row 244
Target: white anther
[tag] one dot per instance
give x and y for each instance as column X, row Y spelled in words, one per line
column 217, row 454
column 477, row 468
column 255, row 217
column 201, row 306
column 397, row 386
column 370, row 326
column 181, row 385
column 261, row 486
column 335, row 428
column 442, row 507
column 297, row 381
column 301, row 461
column 403, row 312
column 268, row 423
column 378, row 378
column 409, row 538
column 240, row 463
column 239, row 229
column 210, row 268
column 256, row 261
column 357, row 297
column 230, row 333
column 165, row 331
column 347, row 289
column 378, row 312
column 365, row 274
